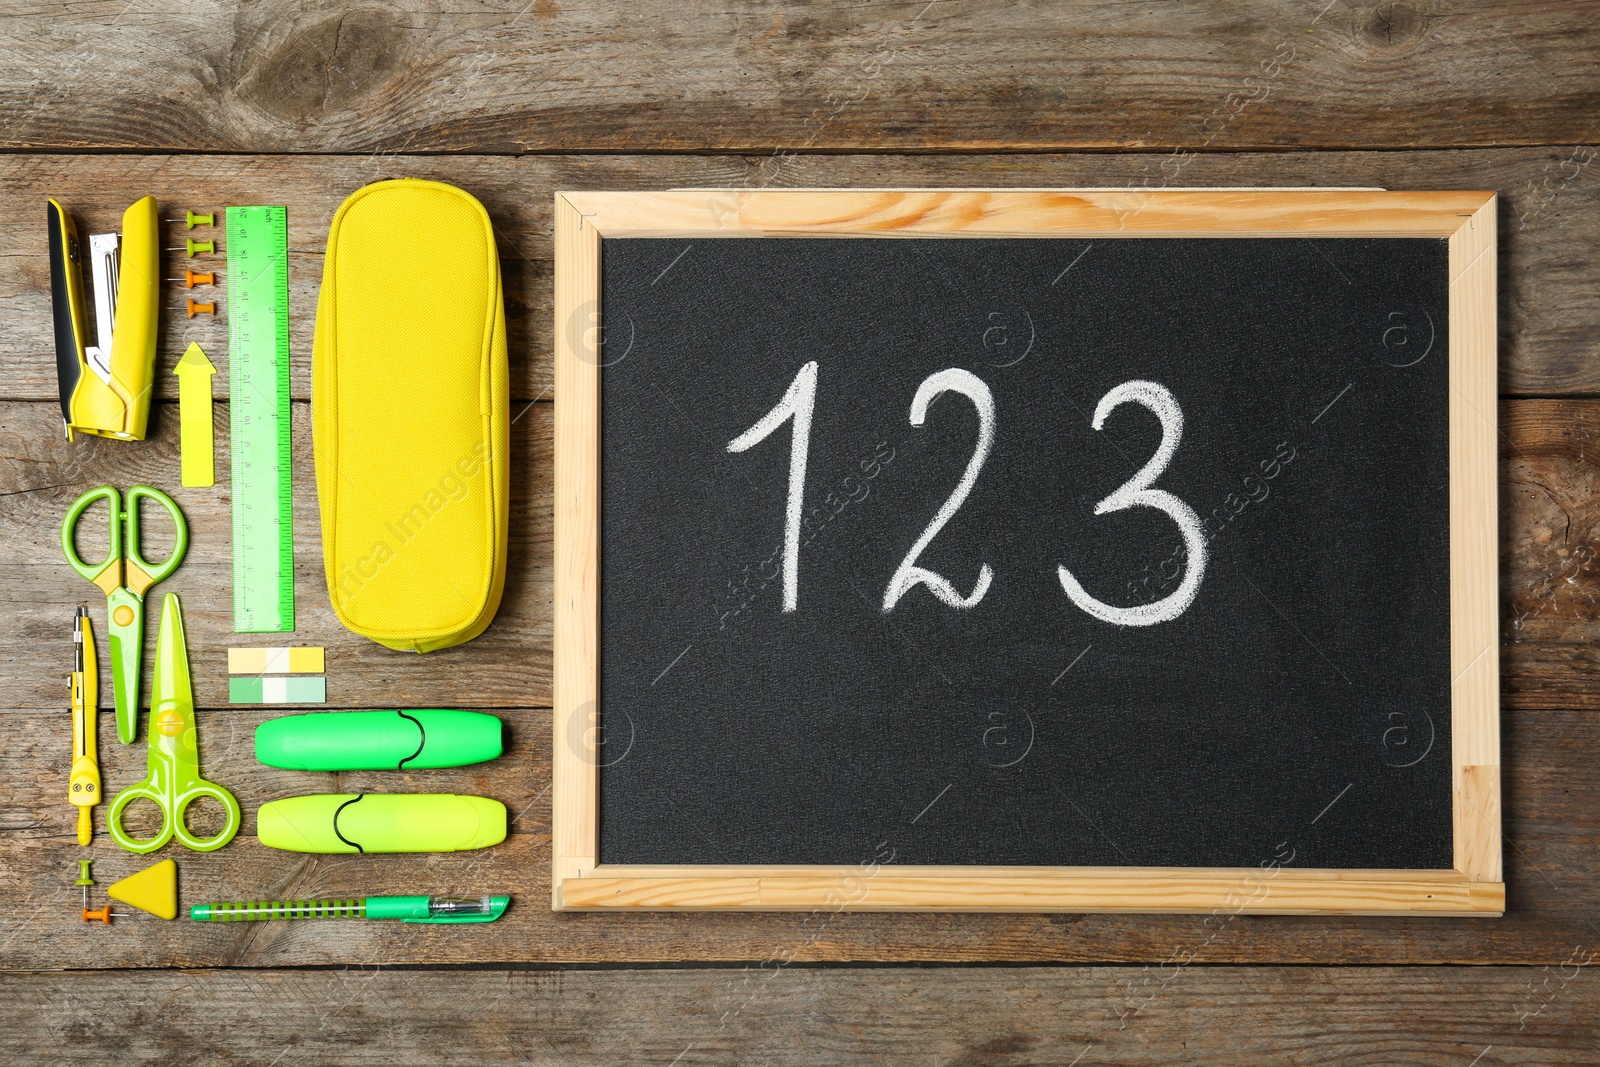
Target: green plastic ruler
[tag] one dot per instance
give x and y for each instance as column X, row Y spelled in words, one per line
column 258, row 371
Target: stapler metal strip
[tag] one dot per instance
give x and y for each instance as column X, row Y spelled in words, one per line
column 105, row 387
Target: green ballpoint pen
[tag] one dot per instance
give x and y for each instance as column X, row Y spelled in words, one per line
column 480, row 909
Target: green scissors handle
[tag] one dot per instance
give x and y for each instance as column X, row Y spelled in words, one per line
column 124, row 576
column 172, row 784
column 124, row 564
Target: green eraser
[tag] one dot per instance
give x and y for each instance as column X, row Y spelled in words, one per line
column 277, row 689
column 378, row 740
column 381, row 822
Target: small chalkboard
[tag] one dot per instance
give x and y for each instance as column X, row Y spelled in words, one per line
column 1062, row 550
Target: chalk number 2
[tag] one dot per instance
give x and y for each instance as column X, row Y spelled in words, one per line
column 799, row 401
column 908, row 575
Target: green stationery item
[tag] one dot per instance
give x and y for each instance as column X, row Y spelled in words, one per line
column 124, row 576
column 258, row 374
column 173, row 780
column 381, row 822
column 378, row 740
column 277, row 689
column 479, row 909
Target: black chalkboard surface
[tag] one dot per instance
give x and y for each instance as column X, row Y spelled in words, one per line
column 1293, row 705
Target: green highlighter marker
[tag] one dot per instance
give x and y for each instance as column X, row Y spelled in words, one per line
column 378, row 740
column 483, row 909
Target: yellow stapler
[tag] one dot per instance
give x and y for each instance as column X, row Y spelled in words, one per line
column 105, row 387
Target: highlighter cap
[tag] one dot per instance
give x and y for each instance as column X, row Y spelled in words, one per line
column 381, row 822
column 378, row 740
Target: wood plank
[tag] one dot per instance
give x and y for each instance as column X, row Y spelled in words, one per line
column 1549, row 534
column 1549, row 542
column 1474, row 577
column 772, row 1015
column 1142, row 890
column 506, row 76
column 1552, row 827
column 576, row 686
column 1549, row 221
column 40, row 476
column 1064, row 212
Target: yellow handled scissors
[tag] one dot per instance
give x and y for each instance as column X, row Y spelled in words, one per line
column 173, row 781
column 125, row 577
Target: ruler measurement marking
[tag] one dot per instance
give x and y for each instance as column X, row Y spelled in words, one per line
column 258, row 362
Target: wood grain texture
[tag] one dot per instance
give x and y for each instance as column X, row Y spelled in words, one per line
column 508, row 76
column 40, row 476
column 1552, row 829
column 576, row 684
column 1058, row 212
column 1474, row 577
column 1549, row 542
column 1216, row 892
column 1549, row 580
column 1549, row 231
column 949, row 1017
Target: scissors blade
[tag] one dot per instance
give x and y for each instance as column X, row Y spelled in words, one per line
column 170, row 687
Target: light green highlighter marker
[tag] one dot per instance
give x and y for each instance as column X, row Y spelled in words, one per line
column 484, row 909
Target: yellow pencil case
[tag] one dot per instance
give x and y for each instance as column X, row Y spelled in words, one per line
column 409, row 415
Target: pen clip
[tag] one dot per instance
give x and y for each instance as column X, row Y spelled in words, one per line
column 497, row 908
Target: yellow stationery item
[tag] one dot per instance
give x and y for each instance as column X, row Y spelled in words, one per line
column 154, row 889
column 306, row 659
column 410, row 415
column 83, row 789
column 194, row 418
column 105, row 387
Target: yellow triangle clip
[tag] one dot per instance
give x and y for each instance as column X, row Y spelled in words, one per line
column 154, row 889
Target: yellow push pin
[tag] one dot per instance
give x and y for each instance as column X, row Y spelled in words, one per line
column 195, row 247
column 154, row 889
column 191, row 220
column 85, row 879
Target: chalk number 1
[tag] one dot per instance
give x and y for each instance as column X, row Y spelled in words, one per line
column 797, row 404
column 799, row 401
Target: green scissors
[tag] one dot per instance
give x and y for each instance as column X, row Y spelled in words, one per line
column 173, row 781
column 125, row 577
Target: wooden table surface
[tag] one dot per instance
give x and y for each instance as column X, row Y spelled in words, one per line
column 289, row 102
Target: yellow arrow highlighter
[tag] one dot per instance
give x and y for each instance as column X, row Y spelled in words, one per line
column 84, row 788
column 194, row 418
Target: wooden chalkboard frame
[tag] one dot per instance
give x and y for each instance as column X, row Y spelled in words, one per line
column 1472, row 887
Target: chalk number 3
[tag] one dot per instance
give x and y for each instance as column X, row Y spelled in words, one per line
column 1137, row 492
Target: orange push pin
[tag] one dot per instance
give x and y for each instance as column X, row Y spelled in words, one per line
column 192, row 278
column 196, row 308
column 103, row 914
